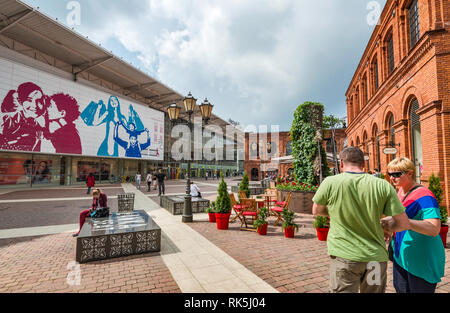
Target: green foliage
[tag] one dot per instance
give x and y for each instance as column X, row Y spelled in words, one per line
column 321, row 222
column 244, row 185
column 331, row 122
column 382, row 176
column 288, row 219
column 223, row 201
column 434, row 184
column 307, row 119
column 296, row 186
column 212, row 208
column 263, row 213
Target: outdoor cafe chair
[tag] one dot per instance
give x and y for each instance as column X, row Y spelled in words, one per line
column 249, row 211
column 242, row 195
column 278, row 210
column 271, row 197
column 237, row 208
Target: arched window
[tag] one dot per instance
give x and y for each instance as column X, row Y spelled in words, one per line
column 289, row 148
column 377, row 148
column 366, row 148
column 376, row 82
column 414, row 23
column 392, row 135
column 416, row 137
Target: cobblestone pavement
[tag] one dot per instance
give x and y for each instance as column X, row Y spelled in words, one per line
column 298, row 265
column 42, row 264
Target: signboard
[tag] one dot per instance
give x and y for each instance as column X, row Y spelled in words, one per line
column 390, row 151
column 44, row 113
column 366, row 158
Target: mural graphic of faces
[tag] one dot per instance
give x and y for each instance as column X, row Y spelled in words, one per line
column 97, row 114
column 29, row 116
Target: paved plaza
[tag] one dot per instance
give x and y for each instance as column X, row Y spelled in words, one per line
column 37, row 250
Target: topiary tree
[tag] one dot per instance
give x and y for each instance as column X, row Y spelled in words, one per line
column 306, row 132
column 244, row 185
column 223, row 201
column 434, row 184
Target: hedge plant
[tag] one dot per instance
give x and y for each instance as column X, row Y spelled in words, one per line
column 307, row 122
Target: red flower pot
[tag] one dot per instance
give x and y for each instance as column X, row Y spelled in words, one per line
column 222, row 220
column 289, row 232
column 322, row 233
column 262, row 230
column 443, row 233
column 212, row 217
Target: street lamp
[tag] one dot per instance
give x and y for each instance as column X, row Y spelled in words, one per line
column 174, row 113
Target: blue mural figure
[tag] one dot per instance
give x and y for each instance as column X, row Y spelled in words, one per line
column 133, row 118
column 133, row 149
column 97, row 114
column 131, row 130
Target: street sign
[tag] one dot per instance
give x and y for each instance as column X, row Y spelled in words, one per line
column 390, row 151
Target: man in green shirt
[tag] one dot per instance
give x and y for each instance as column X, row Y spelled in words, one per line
column 356, row 203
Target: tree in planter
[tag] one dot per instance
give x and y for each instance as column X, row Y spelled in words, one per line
column 288, row 222
column 306, row 133
column 321, row 222
column 223, row 201
column 434, row 184
column 244, row 186
column 263, row 213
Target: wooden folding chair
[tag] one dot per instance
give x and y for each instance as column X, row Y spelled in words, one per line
column 271, row 197
column 250, row 211
column 237, row 208
column 272, row 185
column 278, row 210
column 242, row 195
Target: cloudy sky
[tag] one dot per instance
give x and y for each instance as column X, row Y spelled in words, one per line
column 255, row 60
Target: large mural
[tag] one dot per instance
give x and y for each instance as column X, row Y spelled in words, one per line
column 48, row 114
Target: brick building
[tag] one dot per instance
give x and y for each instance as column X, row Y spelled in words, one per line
column 276, row 157
column 399, row 95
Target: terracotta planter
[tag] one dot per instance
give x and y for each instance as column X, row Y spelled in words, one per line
column 301, row 201
column 262, row 230
column 222, row 220
column 289, row 232
column 443, row 233
column 322, row 233
column 212, row 217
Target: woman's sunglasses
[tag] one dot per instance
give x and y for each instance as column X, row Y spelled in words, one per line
column 395, row 174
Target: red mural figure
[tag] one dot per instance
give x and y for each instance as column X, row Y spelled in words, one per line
column 62, row 112
column 28, row 116
column 22, row 124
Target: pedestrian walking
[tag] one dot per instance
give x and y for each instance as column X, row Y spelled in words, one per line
column 356, row 202
column 149, row 181
column 138, row 180
column 161, row 177
column 206, row 175
column 90, row 182
column 418, row 253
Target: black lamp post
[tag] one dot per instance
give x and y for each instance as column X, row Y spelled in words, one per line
column 174, row 113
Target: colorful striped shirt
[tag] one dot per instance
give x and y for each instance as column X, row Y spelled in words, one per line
column 422, row 256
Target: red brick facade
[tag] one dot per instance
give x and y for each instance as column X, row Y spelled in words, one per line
column 383, row 94
column 262, row 163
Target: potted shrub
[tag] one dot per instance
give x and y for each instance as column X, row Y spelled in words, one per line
column 322, row 227
column 244, row 186
column 434, row 184
column 223, row 206
column 289, row 226
column 260, row 223
column 212, row 212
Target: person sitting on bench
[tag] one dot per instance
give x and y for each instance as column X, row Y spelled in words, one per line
column 99, row 201
column 195, row 191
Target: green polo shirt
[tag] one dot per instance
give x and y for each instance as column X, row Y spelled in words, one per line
column 356, row 202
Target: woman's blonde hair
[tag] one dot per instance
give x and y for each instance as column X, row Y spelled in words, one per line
column 402, row 165
column 96, row 192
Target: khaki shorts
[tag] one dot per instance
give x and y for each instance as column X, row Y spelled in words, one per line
column 352, row 277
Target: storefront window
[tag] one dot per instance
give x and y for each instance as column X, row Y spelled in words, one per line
column 28, row 170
